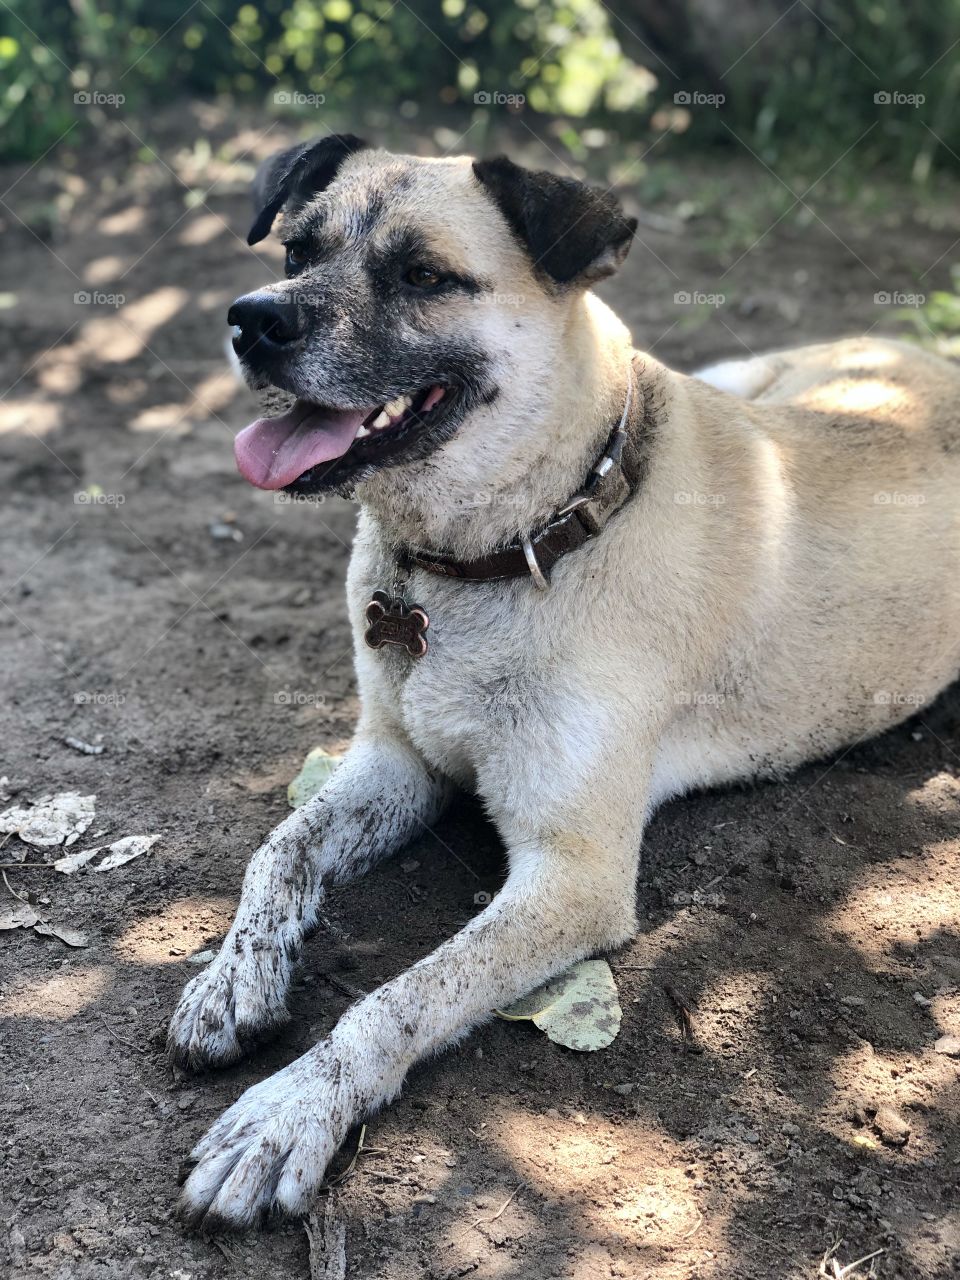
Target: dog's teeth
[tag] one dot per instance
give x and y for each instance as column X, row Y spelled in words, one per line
column 381, row 420
column 362, row 432
column 396, row 407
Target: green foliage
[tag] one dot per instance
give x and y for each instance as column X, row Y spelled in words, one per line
column 805, row 92
column 355, row 53
column 832, row 80
column 937, row 322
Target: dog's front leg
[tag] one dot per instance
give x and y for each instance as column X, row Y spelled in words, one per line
column 569, row 893
column 373, row 804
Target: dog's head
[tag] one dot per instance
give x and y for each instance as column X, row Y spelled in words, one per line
column 421, row 296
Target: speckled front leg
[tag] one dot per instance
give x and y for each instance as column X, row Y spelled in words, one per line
column 376, row 801
column 567, row 896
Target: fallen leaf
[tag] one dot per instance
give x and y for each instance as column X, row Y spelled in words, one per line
column 51, row 820
column 22, row 917
column 72, row 937
column 121, row 851
column 317, row 768
column 579, row 1009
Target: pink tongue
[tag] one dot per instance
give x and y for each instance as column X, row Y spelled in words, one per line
column 272, row 452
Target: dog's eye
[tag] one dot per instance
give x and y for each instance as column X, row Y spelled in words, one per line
column 424, row 277
column 296, row 257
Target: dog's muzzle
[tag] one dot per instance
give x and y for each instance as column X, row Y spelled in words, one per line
column 265, row 327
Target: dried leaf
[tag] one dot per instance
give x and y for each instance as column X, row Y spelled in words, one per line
column 317, row 768
column 72, row 937
column 20, row 917
column 51, row 820
column 579, row 1009
column 121, row 851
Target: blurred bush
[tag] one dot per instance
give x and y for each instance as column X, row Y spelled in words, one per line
column 783, row 75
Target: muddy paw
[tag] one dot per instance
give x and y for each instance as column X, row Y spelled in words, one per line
column 237, row 999
column 268, row 1153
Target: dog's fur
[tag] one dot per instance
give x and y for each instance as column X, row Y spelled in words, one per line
column 785, row 582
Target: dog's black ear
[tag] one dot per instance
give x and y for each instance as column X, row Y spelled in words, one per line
column 575, row 233
column 297, row 173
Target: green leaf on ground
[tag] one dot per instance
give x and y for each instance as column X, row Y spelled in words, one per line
column 317, row 768
column 579, row 1009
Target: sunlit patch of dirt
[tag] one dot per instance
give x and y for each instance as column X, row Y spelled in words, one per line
column 176, row 931
column 64, row 995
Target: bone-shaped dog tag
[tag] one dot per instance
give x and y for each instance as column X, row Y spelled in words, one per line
column 393, row 621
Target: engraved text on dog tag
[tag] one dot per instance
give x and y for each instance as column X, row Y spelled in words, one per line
column 392, row 621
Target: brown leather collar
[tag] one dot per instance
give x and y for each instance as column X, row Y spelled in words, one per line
column 613, row 480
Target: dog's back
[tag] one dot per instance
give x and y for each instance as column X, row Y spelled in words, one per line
column 860, row 625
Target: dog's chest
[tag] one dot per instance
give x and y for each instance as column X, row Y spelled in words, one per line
column 471, row 688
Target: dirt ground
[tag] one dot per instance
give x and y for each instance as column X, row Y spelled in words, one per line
column 194, row 628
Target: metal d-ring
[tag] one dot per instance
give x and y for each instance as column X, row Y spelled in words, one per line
column 536, row 573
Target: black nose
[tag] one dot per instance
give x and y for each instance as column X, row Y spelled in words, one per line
column 265, row 323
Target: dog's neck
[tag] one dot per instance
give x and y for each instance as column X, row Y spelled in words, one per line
column 521, row 457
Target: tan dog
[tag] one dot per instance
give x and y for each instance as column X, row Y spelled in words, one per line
column 745, row 581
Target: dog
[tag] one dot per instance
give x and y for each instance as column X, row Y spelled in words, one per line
column 582, row 583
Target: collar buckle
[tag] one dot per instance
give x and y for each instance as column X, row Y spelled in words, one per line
column 604, row 493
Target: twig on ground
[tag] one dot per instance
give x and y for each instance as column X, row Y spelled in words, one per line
column 347, row 988
column 682, row 1008
column 18, row 896
column 696, row 1226
column 838, row 1272
column 716, row 880
column 122, row 1038
column 345, row 1173
column 231, row 1256
column 486, row 1222
column 327, row 1241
